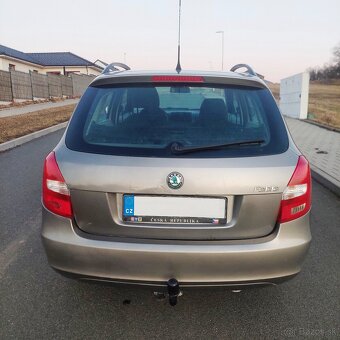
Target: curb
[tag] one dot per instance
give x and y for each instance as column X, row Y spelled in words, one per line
column 27, row 138
column 313, row 122
column 325, row 180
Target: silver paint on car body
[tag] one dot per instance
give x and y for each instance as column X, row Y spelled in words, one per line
column 250, row 248
column 278, row 255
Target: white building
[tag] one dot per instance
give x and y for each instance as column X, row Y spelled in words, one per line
column 46, row 63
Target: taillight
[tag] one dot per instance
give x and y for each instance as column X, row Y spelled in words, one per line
column 55, row 193
column 296, row 198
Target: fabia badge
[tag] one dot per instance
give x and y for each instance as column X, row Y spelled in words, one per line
column 175, row 180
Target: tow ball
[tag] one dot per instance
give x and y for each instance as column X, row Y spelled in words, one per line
column 173, row 291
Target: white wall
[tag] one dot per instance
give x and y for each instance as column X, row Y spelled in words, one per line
column 19, row 66
column 26, row 67
column 93, row 71
column 77, row 69
column 294, row 92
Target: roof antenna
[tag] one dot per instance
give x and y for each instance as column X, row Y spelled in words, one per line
column 178, row 67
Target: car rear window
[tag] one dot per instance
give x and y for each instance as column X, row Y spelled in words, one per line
column 146, row 120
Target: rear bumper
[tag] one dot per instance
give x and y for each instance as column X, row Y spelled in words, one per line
column 266, row 260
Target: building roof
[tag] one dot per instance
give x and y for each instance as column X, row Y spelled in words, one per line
column 11, row 52
column 59, row 59
column 47, row 58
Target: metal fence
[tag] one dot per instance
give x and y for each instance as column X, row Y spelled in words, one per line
column 29, row 86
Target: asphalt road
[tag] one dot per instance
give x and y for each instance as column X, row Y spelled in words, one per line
column 37, row 303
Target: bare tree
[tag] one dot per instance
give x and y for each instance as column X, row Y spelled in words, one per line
column 336, row 53
column 328, row 71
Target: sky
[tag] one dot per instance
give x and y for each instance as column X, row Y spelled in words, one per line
column 277, row 38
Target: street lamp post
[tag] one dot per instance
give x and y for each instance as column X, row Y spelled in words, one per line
column 222, row 32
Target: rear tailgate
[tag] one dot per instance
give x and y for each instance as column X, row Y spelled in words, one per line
column 250, row 186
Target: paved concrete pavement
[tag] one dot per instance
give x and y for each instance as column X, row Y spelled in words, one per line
column 320, row 146
column 14, row 111
column 37, row 303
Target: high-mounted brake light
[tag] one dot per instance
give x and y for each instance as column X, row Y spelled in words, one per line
column 296, row 198
column 55, row 193
column 177, row 79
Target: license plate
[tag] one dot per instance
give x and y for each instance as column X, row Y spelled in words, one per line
column 174, row 210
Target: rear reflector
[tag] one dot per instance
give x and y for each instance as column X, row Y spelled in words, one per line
column 177, row 79
column 296, row 198
column 55, row 193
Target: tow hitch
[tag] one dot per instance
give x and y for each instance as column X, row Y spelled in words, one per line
column 173, row 291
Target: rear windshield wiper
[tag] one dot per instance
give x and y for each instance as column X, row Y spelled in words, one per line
column 176, row 148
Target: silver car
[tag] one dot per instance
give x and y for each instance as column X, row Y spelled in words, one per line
column 177, row 180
